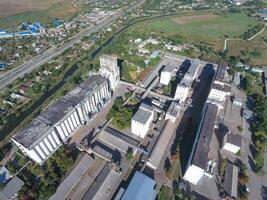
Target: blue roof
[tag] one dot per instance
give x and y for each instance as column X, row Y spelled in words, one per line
column 141, row 187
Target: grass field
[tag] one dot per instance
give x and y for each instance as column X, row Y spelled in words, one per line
column 208, row 25
column 13, row 12
column 253, row 51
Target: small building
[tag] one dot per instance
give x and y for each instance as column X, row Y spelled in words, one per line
column 23, row 89
column 230, row 180
column 236, row 79
column 3, row 66
column 141, row 187
column 111, row 144
column 142, row 120
column 4, row 175
column 173, row 111
column 11, row 189
column 237, row 102
column 232, row 142
column 166, row 75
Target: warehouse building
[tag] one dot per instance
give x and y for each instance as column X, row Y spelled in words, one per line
column 231, row 180
column 73, row 178
column 109, row 68
column 56, row 124
column 142, row 120
column 200, row 162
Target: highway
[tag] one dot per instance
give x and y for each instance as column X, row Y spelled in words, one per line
column 10, row 76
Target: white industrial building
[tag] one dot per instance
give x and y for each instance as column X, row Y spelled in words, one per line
column 182, row 90
column 191, row 73
column 232, row 142
column 200, row 161
column 166, row 75
column 56, row 124
column 109, row 68
column 142, row 120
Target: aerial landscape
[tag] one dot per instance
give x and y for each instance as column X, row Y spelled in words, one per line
column 133, row 100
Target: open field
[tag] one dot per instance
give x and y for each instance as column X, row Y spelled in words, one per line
column 13, row 12
column 13, row 7
column 208, row 25
column 253, row 51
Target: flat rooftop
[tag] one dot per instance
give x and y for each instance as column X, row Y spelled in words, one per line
column 161, row 145
column 193, row 67
column 104, row 184
column 33, row 131
column 234, row 139
column 174, row 109
column 231, row 179
column 143, row 113
column 73, row 177
column 201, row 154
column 224, row 88
column 185, row 82
column 220, row 74
column 39, row 126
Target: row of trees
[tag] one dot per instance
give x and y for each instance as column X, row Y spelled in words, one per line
column 243, row 179
column 259, row 127
column 249, row 33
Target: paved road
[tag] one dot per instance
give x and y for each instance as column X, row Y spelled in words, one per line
column 257, row 184
column 10, row 76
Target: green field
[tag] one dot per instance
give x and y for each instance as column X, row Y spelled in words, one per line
column 62, row 10
column 208, row 25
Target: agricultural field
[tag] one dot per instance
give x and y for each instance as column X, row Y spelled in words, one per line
column 14, row 12
column 206, row 27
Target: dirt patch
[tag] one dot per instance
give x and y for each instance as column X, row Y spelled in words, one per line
column 12, row 7
column 188, row 19
column 144, row 73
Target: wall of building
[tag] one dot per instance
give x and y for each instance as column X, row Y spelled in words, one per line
column 66, row 128
column 141, row 129
column 165, row 77
column 181, row 93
